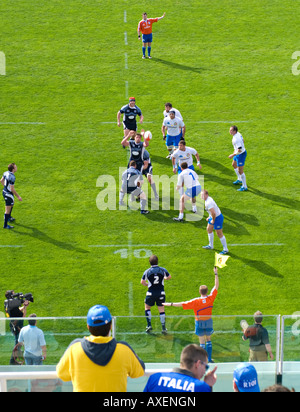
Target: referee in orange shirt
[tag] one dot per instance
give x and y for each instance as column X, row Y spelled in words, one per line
column 202, row 308
column 145, row 27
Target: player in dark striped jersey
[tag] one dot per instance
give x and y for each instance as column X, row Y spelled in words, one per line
column 153, row 278
column 8, row 183
column 130, row 111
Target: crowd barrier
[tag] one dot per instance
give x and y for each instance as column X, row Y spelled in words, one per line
column 158, row 351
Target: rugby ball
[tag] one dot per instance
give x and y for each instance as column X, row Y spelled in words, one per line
column 148, row 135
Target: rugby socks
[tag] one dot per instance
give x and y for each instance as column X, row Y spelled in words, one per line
column 209, row 350
column 211, row 239
column 143, row 204
column 194, row 207
column 202, row 345
column 148, row 317
column 122, row 194
column 180, row 216
column 243, row 179
column 224, row 243
column 237, row 173
column 144, row 51
column 149, row 51
column 6, row 219
column 154, row 189
column 162, row 317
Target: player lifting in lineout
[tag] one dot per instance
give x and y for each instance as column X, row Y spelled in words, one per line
column 132, row 180
column 153, row 278
column 141, row 156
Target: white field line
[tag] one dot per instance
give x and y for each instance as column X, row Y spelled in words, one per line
column 160, row 245
column 17, row 123
column 11, row 246
column 256, row 244
column 130, row 246
column 200, row 122
column 165, row 245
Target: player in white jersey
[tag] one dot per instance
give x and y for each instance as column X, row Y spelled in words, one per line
column 239, row 157
column 215, row 222
column 184, row 154
column 173, row 130
column 168, row 107
column 190, row 180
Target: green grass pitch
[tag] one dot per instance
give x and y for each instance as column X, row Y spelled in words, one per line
column 70, row 66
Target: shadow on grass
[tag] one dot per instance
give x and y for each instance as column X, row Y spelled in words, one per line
column 43, row 237
column 281, row 200
column 216, row 165
column 259, row 265
column 178, row 65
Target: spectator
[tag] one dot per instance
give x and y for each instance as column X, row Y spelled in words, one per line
column 99, row 363
column 34, row 343
column 258, row 340
column 278, row 388
column 245, row 378
column 193, row 365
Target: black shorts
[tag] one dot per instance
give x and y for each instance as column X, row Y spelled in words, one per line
column 135, row 190
column 139, row 164
column 130, row 125
column 148, row 170
column 157, row 298
column 9, row 199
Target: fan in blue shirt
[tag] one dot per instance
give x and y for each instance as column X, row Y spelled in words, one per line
column 193, row 365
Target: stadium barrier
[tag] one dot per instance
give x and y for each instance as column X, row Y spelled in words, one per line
column 158, row 351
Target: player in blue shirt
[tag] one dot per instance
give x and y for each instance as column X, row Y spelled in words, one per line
column 8, row 183
column 193, row 365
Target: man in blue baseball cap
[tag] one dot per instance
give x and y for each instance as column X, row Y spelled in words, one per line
column 98, row 363
column 245, row 378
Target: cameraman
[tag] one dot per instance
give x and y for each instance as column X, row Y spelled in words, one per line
column 16, row 312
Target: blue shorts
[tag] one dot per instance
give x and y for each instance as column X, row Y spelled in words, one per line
column 204, row 327
column 147, row 38
column 241, row 158
column 193, row 191
column 218, row 224
column 190, row 167
column 173, row 140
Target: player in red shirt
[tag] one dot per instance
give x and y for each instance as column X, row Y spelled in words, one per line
column 202, row 308
column 145, row 27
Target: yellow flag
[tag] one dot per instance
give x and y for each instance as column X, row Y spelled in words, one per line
column 220, row 260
